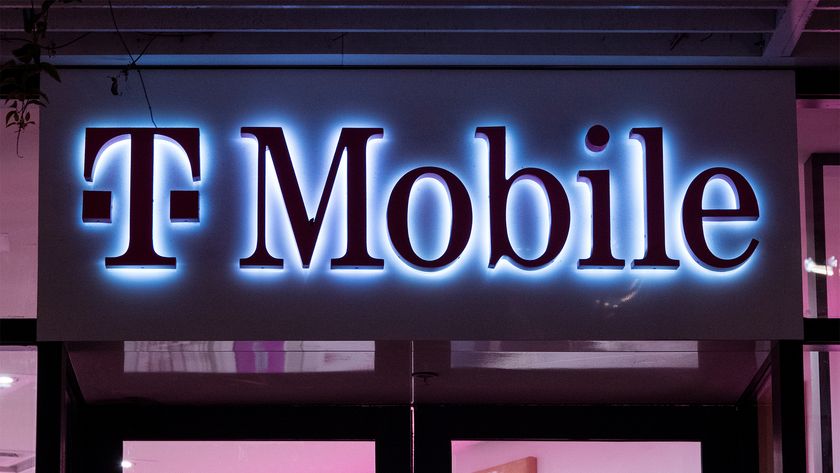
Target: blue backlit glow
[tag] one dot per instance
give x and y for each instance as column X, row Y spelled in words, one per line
column 728, row 238
column 430, row 212
column 311, row 168
column 624, row 159
column 527, row 209
column 172, row 171
column 112, row 171
column 430, row 217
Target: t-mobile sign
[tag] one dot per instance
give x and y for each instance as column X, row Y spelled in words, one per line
column 318, row 204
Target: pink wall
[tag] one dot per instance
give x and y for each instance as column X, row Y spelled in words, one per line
column 581, row 457
column 18, row 222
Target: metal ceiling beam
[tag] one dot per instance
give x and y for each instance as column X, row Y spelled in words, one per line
column 222, row 19
column 789, row 28
column 702, row 32
column 516, row 44
column 423, row 4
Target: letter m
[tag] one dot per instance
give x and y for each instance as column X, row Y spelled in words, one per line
column 306, row 230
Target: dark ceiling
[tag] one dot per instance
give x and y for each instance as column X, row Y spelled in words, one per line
column 728, row 33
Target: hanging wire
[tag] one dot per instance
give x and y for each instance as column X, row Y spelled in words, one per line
column 133, row 63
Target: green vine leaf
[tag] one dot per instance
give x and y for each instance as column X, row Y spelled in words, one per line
column 11, row 117
column 20, row 85
column 51, row 71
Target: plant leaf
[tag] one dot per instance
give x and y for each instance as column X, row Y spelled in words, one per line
column 51, row 71
column 27, row 53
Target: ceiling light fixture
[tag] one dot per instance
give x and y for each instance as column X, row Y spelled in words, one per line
column 126, row 464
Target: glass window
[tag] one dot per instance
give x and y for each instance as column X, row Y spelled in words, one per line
column 575, row 457
column 249, row 456
column 825, row 273
column 18, row 404
column 818, row 147
column 822, row 406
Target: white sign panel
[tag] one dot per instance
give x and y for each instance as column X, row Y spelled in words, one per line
column 420, row 204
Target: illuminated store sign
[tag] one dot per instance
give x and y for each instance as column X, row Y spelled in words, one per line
column 312, row 204
column 352, row 142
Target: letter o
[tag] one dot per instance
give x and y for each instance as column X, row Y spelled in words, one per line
column 460, row 228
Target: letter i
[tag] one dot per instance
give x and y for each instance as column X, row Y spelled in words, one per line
column 599, row 182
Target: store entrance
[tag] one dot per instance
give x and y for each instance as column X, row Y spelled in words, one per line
column 403, row 406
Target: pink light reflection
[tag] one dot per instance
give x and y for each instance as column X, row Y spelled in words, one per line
column 248, row 356
column 580, row 457
column 251, row 457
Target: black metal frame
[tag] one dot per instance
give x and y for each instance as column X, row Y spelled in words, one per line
column 821, row 330
column 727, row 433
column 18, row 332
column 788, row 407
column 818, row 83
column 57, row 397
column 75, row 437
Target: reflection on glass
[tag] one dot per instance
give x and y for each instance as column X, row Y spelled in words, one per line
column 249, row 456
column 247, row 357
column 822, row 406
column 18, row 375
column 578, row 457
column 820, row 265
column 573, row 355
column 832, row 236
